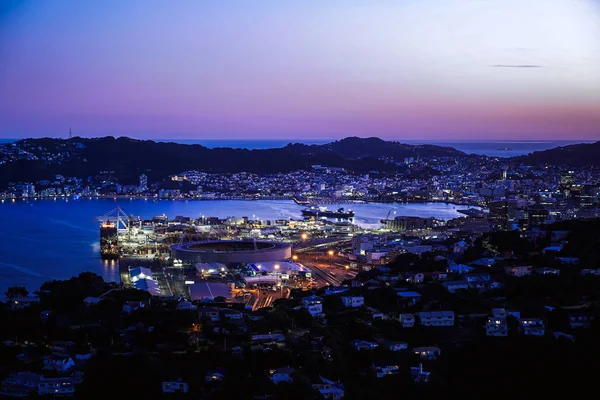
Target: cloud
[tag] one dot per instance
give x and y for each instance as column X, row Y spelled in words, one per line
column 517, row 66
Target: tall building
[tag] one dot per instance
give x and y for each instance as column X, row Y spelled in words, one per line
column 498, row 215
column 143, row 183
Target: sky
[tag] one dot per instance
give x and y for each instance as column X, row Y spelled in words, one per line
column 312, row 69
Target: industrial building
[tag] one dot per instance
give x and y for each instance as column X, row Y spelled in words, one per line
column 231, row 252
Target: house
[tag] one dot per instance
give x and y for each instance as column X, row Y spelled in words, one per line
column 497, row 324
column 407, row 320
column 427, row 352
column 595, row 272
column 185, row 305
column 532, row 326
column 580, row 320
column 483, row 262
column 314, row 305
column 177, row 386
column 209, row 312
column 547, row 271
column 569, row 260
column 214, row 376
column 232, row 315
column 353, row 301
column 376, row 314
column 386, row 370
column 279, row 375
column 91, row 300
column 131, row 306
column 331, row 290
column 459, row 269
column 439, row 276
column 329, row 390
column 19, row 303
column 363, row 345
column 437, row 318
column 455, row 286
column 408, row 298
column 518, row 271
column 460, row 247
column 22, row 384
column 415, row 277
column 396, row 346
column 477, row 277
column 418, row 375
column 58, row 363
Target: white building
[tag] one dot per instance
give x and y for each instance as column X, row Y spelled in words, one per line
column 314, row 305
column 407, row 320
column 279, row 375
column 353, row 301
column 437, row 318
column 175, row 387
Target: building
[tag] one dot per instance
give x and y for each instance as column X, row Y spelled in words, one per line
column 455, row 286
column 518, row 271
column 427, row 352
column 143, row 183
column 314, row 305
column 177, row 386
column 407, row 223
column 497, row 324
column 418, row 375
column 532, row 326
column 407, row 320
column 396, row 346
column 22, row 384
column 363, row 345
column 437, row 318
column 386, row 370
column 408, row 298
column 498, row 215
column 279, row 375
column 329, row 390
column 353, row 301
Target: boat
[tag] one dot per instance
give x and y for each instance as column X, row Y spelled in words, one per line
column 505, row 149
column 323, row 212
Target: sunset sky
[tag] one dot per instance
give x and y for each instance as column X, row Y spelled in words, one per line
column 401, row 69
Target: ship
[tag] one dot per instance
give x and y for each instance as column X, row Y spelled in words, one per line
column 323, row 212
column 505, row 149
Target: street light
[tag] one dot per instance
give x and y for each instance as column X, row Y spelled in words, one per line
column 330, row 252
column 304, row 236
column 277, row 266
column 294, row 257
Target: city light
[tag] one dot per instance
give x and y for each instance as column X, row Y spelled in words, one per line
column 330, row 252
column 294, row 257
column 276, row 266
column 304, row 236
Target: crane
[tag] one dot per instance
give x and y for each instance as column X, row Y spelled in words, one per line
column 122, row 221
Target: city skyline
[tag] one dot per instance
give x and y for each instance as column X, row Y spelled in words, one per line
column 453, row 70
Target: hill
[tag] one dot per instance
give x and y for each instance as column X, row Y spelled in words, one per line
column 576, row 155
column 37, row 159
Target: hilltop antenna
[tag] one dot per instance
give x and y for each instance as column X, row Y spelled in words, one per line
column 70, row 133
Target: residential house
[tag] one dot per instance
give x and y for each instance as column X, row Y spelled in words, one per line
column 418, row 375
column 518, row 271
column 437, row 318
column 460, row 247
column 329, row 390
column 415, row 277
column 214, row 376
column 407, row 320
column 547, row 271
column 332, row 290
column 361, row 345
column 314, row 305
column 427, row 352
column 386, row 370
column 483, row 262
column 408, row 298
column 279, row 375
column 353, row 301
column 459, row 269
column 91, row 300
column 396, row 346
column 580, row 319
column 455, row 286
column 439, row 276
column 185, row 305
column 595, row 272
column 232, row 315
column 478, row 277
column 178, row 386
column 22, row 384
column 532, row 326
column 497, row 324
column 209, row 312
column 19, row 303
column 376, row 314
column 58, row 363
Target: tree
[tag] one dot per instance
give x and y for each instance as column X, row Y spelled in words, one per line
column 14, row 292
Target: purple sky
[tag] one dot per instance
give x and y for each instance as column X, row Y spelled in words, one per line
column 401, row 69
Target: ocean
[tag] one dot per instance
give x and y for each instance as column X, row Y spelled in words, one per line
column 489, row 148
column 43, row 240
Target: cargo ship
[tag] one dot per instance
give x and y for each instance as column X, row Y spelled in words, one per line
column 323, row 212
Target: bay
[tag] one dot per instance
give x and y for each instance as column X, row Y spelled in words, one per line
column 42, row 240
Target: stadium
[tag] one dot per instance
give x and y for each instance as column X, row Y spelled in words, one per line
column 231, row 252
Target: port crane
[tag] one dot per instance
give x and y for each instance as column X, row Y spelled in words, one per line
column 123, row 222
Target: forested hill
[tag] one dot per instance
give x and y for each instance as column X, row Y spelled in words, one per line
column 576, row 155
column 37, row 159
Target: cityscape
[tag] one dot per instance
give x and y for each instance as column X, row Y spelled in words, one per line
column 365, row 254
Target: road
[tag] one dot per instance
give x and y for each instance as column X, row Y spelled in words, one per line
column 325, row 273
